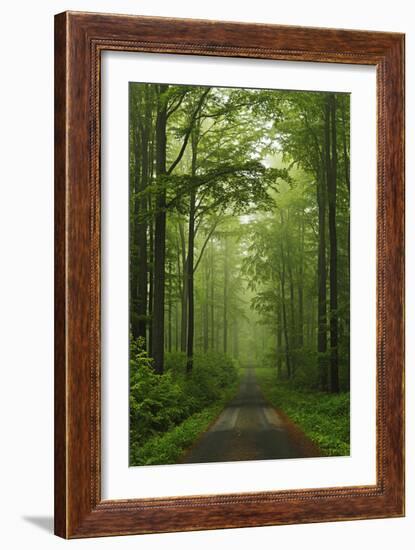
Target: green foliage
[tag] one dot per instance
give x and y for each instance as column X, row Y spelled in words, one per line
column 173, row 402
column 324, row 417
column 167, row 448
column 238, row 178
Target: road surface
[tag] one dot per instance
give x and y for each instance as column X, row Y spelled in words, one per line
column 249, row 429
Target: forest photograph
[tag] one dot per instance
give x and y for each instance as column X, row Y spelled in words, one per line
column 239, row 274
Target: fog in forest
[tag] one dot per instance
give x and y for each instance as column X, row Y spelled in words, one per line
column 239, row 262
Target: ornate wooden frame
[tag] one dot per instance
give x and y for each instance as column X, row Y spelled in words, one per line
column 79, row 40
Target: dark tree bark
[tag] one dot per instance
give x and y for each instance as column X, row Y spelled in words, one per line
column 279, row 339
column 183, row 318
column 212, row 298
column 191, row 256
column 136, row 147
column 142, row 288
column 225, row 298
column 190, row 282
column 322, row 268
column 160, row 235
column 332, row 193
column 206, row 308
column 150, row 240
column 345, row 143
column 176, row 327
column 293, row 332
column 169, row 309
column 301, row 288
column 151, row 279
column 283, row 303
column 346, row 163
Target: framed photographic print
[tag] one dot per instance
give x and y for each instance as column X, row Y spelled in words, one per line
column 229, row 277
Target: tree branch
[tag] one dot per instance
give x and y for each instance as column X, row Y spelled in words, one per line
column 188, row 132
column 204, row 245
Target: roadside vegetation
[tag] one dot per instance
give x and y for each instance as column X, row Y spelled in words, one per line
column 169, row 411
column 239, row 226
column 324, row 417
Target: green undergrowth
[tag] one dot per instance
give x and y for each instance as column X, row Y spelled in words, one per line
column 169, row 411
column 168, row 447
column 324, row 417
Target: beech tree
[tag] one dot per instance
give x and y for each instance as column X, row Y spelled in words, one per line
column 239, row 210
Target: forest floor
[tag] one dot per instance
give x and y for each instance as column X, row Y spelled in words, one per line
column 250, row 428
column 323, row 417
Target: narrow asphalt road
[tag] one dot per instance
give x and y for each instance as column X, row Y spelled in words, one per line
column 247, row 429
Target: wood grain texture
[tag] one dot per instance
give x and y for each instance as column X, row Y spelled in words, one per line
column 79, row 40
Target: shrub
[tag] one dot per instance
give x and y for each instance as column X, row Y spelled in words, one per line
column 324, row 417
column 159, row 403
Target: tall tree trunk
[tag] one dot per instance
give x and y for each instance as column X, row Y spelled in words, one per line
column 136, row 147
column 206, row 307
column 176, row 327
column 321, row 268
column 235, row 332
column 284, row 311
column 225, row 298
column 212, row 297
column 190, row 282
column 301, row 288
column 293, row 332
column 151, row 280
column 346, row 163
column 142, row 288
column 191, row 255
column 169, row 310
column 332, row 193
column 279, row 340
column 183, row 323
column 160, row 234
column 150, row 250
column 345, row 144
column 285, row 324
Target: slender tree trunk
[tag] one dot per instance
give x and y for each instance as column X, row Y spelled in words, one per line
column 345, row 145
column 180, row 294
column 160, row 235
column 346, row 162
column 150, row 253
column 301, row 289
column 190, row 282
column 284, row 311
column 292, row 315
column 183, row 324
column 191, row 256
column 142, row 289
column 212, row 298
column 225, row 298
column 285, row 324
column 322, row 270
column 332, row 192
column 235, row 332
column 206, row 308
column 279, row 340
column 151, row 282
column 176, row 326
column 134, row 292
column 322, row 314
column 169, row 311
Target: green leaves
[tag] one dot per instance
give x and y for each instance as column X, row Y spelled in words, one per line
column 160, row 404
column 323, row 417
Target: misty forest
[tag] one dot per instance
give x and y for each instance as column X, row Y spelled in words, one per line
column 239, row 273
